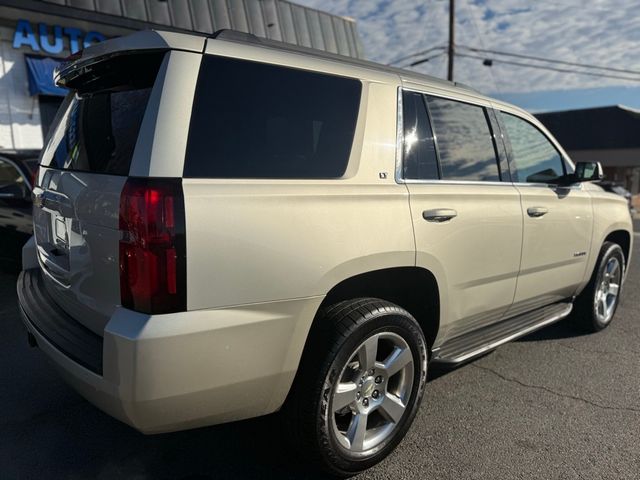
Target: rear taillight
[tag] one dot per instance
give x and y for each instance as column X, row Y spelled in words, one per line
column 152, row 245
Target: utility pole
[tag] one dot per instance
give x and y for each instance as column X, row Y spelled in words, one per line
column 451, row 49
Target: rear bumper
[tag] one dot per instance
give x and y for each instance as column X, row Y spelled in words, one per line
column 176, row 371
column 53, row 323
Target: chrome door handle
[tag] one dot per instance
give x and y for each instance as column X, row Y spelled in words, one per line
column 439, row 215
column 536, row 212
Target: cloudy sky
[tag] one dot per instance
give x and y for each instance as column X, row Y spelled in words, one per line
column 597, row 32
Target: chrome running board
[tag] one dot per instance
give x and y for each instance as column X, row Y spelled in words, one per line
column 469, row 345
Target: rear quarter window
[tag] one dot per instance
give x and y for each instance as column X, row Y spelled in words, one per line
column 256, row 120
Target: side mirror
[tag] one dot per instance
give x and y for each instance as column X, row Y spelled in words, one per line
column 588, row 171
column 585, row 172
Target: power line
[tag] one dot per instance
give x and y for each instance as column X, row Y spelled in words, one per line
column 546, row 67
column 424, row 60
column 423, row 52
column 472, row 14
column 520, row 55
column 428, row 4
column 549, row 60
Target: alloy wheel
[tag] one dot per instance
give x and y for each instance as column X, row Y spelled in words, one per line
column 372, row 393
column 607, row 291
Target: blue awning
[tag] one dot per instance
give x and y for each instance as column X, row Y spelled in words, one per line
column 40, row 73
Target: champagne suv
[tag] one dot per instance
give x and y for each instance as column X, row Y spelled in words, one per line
column 226, row 227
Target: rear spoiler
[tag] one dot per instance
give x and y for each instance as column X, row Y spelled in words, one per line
column 146, row 40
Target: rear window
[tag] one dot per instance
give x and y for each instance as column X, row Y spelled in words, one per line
column 98, row 129
column 254, row 120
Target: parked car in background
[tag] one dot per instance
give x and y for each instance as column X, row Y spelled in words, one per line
column 618, row 189
column 17, row 169
column 229, row 226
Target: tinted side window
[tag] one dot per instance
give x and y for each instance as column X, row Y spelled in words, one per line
column 254, row 120
column 465, row 143
column 419, row 152
column 536, row 159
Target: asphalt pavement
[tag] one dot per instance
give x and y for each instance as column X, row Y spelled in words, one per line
column 555, row 405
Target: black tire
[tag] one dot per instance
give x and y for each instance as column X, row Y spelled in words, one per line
column 585, row 312
column 340, row 330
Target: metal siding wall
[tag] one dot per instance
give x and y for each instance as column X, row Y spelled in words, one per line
column 109, row 7
column 327, row 32
column 180, row 14
column 220, row 12
column 256, row 20
column 135, row 9
column 270, row 11
column 351, row 39
column 158, row 12
column 201, row 16
column 83, row 4
column 315, row 30
column 286, row 23
column 341, row 36
column 274, row 19
column 238, row 16
column 302, row 26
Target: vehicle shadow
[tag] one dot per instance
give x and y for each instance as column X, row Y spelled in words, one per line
column 249, row 449
column 9, row 267
column 437, row 370
column 93, row 445
column 556, row 331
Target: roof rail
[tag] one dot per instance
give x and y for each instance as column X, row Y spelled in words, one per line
column 235, row 35
column 464, row 85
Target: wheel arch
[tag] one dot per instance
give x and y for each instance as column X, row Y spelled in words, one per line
column 413, row 288
column 622, row 238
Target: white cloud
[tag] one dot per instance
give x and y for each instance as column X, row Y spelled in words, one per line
column 600, row 32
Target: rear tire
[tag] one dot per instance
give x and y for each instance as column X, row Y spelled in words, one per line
column 358, row 387
column 596, row 305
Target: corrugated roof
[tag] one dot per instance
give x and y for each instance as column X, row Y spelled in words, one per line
column 610, row 127
column 274, row 19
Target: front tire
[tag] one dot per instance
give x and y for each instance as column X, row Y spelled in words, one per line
column 359, row 385
column 597, row 304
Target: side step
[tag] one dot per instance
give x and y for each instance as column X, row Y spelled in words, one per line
column 477, row 342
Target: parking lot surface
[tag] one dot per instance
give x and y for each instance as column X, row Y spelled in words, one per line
column 556, row 404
